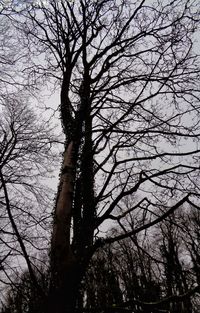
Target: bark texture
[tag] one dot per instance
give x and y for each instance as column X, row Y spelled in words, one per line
column 64, row 272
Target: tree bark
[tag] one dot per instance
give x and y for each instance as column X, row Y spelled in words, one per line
column 64, row 267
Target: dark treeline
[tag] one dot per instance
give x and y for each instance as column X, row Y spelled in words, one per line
column 156, row 271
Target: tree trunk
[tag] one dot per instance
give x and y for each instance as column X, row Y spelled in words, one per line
column 65, row 275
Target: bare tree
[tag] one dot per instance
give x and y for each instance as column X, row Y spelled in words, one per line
column 25, row 159
column 12, row 57
column 129, row 106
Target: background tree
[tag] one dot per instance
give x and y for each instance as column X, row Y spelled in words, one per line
column 26, row 158
column 154, row 271
column 23, row 295
column 129, row 105
column 23, row 198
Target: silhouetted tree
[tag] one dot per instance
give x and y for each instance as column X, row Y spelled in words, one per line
column 129, row 104
column 25, row 159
